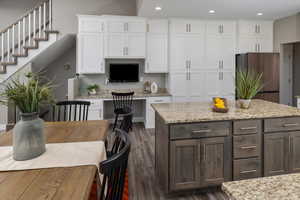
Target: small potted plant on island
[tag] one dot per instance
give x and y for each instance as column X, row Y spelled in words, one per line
column 28, row 133
column 92, row 89
column 248, row 84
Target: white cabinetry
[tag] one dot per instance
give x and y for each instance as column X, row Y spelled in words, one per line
column 95, row 109
column 125, row 37
column 150, row 114
column 157, row 46
column 90, row 45
column 255, row 36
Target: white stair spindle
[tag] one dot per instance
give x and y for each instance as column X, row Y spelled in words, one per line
column 40, row 21
column 13, row 38
column 34, row 22
column 8, row 45
column 29, row 29
column 2, row 47
column 19, row 36
column 24, row 30
column 50, row 14
column 44, row 12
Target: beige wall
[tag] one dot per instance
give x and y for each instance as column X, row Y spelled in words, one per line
column 286, row 30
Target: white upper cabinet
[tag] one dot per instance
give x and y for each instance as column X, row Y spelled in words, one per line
column 90, row 24
column 255, row 36
column 90, row 45
column 90, row 53
column 187, row 26
column 221, row 28
column 126, row 25
column 157, row 46
column 125, row 37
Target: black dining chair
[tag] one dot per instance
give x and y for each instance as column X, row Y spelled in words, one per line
column 71, row 111
column 126, row 122
column 114, row 169
column 122, row 104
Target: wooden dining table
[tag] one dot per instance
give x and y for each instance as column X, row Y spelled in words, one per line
column 72, row 183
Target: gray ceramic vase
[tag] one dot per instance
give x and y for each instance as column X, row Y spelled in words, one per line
column 28, row 137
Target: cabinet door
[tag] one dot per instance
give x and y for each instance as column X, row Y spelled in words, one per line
column 184, row 164
column 188, row 26
column 247, row 44
column 178, row 53
column 90, row 25
column 158, row 26
column 90, row 53
column 276, row 150
column 157, row 53
column 179, row 26
column 220, row 28
column 215, row 162
column 115, row 45
column 211, row 83
column 265, row 45
column 138, row 26
column 294, row 164
column 227, row 84
column 194, row 47
column 179, row 86
column 136, row 46
column 196, row 89
column 265, row 29
column 116, row 26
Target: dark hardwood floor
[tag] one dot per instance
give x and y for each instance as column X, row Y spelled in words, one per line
column 142, row 183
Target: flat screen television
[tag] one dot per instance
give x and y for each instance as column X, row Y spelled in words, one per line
column 124, row 73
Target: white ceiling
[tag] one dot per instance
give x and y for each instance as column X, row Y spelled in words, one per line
column 225, row 9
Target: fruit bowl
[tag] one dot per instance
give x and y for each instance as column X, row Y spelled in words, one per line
column 220, row 105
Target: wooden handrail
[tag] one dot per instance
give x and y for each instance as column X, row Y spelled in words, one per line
column 25, row 15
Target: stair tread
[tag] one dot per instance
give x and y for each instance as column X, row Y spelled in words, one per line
column 8, row 63
column 20, row 55
column 31, row 47
column 51, row 31
column 41, row 39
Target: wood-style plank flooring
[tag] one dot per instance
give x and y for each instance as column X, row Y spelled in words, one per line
column 142, row 183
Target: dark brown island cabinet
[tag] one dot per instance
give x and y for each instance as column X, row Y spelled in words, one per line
column 194, row 155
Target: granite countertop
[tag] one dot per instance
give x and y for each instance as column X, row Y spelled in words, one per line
column 283, row 187
column 201, row 112
column 138, row 93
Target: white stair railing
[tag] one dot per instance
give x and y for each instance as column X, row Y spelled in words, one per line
column 24, row 31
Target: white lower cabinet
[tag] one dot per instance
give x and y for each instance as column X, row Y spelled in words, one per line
column 95, row 109
column 150, row 114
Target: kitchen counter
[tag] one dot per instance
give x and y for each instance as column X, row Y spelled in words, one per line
column 201, row 112
column 137, row 94
column 283, row 187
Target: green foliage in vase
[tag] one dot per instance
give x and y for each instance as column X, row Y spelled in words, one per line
column 28, row 95
column 92, row 87
column 248, row 84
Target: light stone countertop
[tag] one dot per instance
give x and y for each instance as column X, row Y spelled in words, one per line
column 282, row 187
column 138, row 93
column 201, row 112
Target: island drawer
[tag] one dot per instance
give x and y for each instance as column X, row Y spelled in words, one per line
column 246, row 146
column 247, row 127
column 246, row 168
column 200, row 130
column 282, row 124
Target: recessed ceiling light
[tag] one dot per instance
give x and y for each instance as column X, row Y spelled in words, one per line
column 158, row 8
column 212, row 11
column 259, row 14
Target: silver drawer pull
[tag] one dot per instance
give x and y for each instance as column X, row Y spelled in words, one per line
column 248, row 171
column 248, row 147
column 289, row 125
column 158, row 101
column 248, row 128
column 202, row 131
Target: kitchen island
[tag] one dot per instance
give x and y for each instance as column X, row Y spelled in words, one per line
column 197, row 148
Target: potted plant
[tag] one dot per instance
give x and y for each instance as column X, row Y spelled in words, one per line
column 92, row 89
column 248, row 84
column 28, row 133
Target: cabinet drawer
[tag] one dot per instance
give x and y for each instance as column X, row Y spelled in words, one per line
column 246, row 146
column 282, row 124
column 200, row 130
column 246, row 168
column 247, row 127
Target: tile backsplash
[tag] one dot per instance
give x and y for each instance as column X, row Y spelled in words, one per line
column 101, row 79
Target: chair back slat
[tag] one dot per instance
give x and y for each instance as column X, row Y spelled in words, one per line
column 70, row 110
column 122, row 100
column 114, row 169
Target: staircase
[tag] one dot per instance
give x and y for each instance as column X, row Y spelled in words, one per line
column 26, row 38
